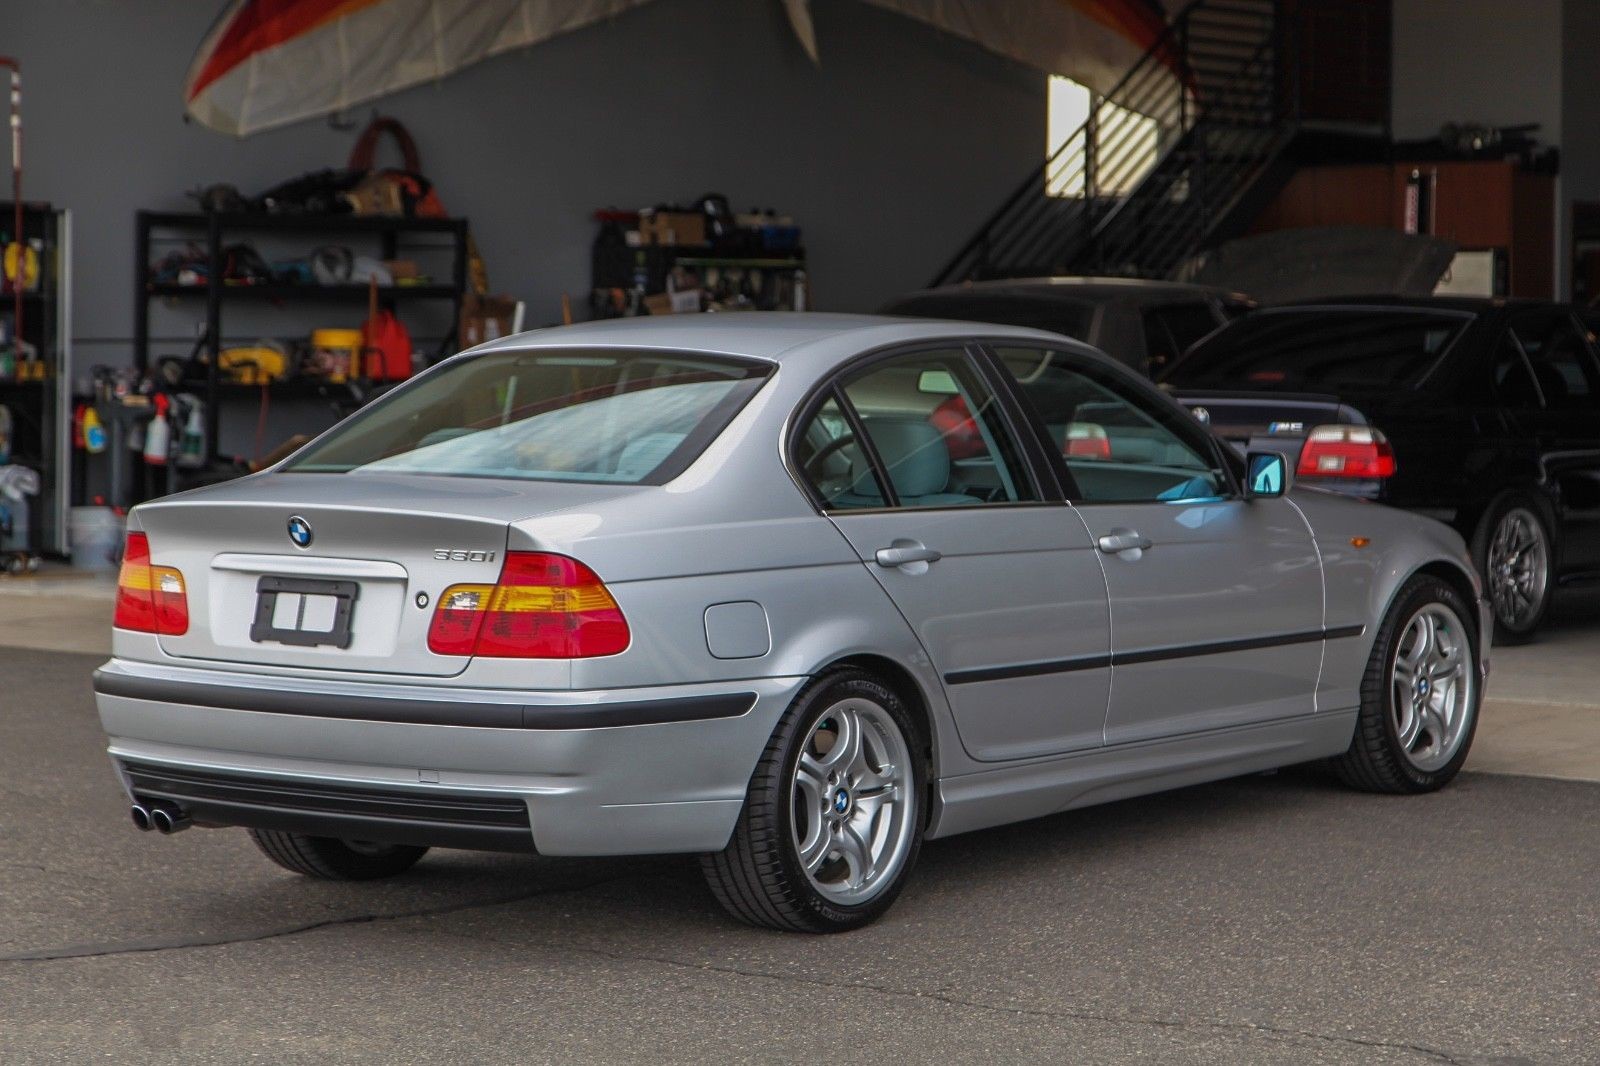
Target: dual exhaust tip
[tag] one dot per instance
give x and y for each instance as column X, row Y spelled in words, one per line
column 160, row 815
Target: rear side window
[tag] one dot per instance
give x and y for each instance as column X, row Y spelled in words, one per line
column 1070, row 317
column 925, row 427
column 1322, row 347
column 622, row 416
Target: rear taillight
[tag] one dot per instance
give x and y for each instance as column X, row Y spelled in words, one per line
column 543, row 607
column 1086, row 440
column 1346, row 451
column 150, row 599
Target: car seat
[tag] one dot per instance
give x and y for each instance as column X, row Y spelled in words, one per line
column 918, row 463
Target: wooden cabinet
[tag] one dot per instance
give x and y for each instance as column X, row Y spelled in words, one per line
column 1478, row 204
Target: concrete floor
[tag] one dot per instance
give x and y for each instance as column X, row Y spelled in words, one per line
column 1272, row 919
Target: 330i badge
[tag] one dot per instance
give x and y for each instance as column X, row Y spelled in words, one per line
column 793, row 592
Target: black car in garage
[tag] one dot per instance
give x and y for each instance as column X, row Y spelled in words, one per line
column 1484, row 413
column 1144, row 324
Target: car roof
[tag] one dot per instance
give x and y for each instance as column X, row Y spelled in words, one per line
column 778, row 336
column 1473, row 304
column 1081, row 288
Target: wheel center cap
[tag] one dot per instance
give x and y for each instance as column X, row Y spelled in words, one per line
column 1423, row 685
column 841, row 801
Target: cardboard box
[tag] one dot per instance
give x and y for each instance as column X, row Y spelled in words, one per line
column 673, row 227
column 485, row 318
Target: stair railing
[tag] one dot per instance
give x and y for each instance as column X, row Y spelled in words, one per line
column 1061, row 211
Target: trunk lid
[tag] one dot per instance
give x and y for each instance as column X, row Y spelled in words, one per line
column 1274, row 420
column 347, row 599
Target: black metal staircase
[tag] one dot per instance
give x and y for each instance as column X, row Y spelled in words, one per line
column 1166, row 162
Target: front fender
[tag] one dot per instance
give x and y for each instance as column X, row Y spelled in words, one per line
column 1368, row 553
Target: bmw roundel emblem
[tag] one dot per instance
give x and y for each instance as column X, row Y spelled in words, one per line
column 300, row 532
column 1202, row 416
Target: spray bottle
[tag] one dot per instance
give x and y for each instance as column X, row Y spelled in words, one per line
column 192, row 445
column 94, row 432
column 158, row 436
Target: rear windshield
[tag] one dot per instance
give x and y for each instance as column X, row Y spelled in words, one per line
column 1070, row 317
column 622, row 416
column 1321, row 347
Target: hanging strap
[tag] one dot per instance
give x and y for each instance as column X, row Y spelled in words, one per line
column 366, row 149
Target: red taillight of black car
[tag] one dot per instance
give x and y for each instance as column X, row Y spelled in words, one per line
column 1346, row 451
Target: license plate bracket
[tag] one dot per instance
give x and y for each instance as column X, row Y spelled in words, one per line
column 272, row 610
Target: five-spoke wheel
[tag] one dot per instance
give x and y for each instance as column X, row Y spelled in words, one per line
column 1419, row 696
column 1431, row 686
column 833, row 818
column 851, row 821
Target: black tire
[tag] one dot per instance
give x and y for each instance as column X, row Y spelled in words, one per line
column 1522, row 629
column 335, row 860
column 1376, row 760
column 758, row 877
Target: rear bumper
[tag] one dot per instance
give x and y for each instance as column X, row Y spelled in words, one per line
column 630, row 771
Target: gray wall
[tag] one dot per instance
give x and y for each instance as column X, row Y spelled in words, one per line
column 1500, row 64
column 1580, row 132
column 1486, row 61
column 889, row 154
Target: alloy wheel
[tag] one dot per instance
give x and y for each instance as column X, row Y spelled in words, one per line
column 853, row 801
column 1431, row 687
column 1518, row 568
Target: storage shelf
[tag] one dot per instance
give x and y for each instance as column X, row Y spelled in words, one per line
column 303, row 223
column 41, row 409
column 213, row 233
column 752, row 262
column 291, row 388
column 280, row 291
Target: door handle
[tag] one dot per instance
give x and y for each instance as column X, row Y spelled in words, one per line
column 902, row 553
column 1123, row 540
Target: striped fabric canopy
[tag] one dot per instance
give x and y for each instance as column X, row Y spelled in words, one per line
column 267, row 63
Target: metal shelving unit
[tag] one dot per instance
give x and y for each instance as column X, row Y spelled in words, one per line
column 214, row 232
column 42, row 409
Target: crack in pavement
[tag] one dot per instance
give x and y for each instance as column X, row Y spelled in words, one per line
column 137, row 947
column 957, row 1001
column 90, row 951
column 140, row 947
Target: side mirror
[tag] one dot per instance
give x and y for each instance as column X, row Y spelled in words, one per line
column 1266, row 475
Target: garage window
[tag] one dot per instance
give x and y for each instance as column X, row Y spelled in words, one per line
column 1129, row 138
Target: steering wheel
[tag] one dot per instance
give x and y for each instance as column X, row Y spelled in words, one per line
column 826, row 452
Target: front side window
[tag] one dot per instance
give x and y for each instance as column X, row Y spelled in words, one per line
column 1117, row 446
column 621, row 416
column 921, row 431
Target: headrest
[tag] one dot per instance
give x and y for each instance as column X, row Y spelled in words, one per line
column 914, row 452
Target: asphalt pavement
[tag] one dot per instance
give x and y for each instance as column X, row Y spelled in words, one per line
column 1270, row 919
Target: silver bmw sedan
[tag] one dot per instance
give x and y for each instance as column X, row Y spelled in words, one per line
column 792, row 592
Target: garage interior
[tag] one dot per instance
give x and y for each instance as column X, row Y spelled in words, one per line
column 232, row 229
